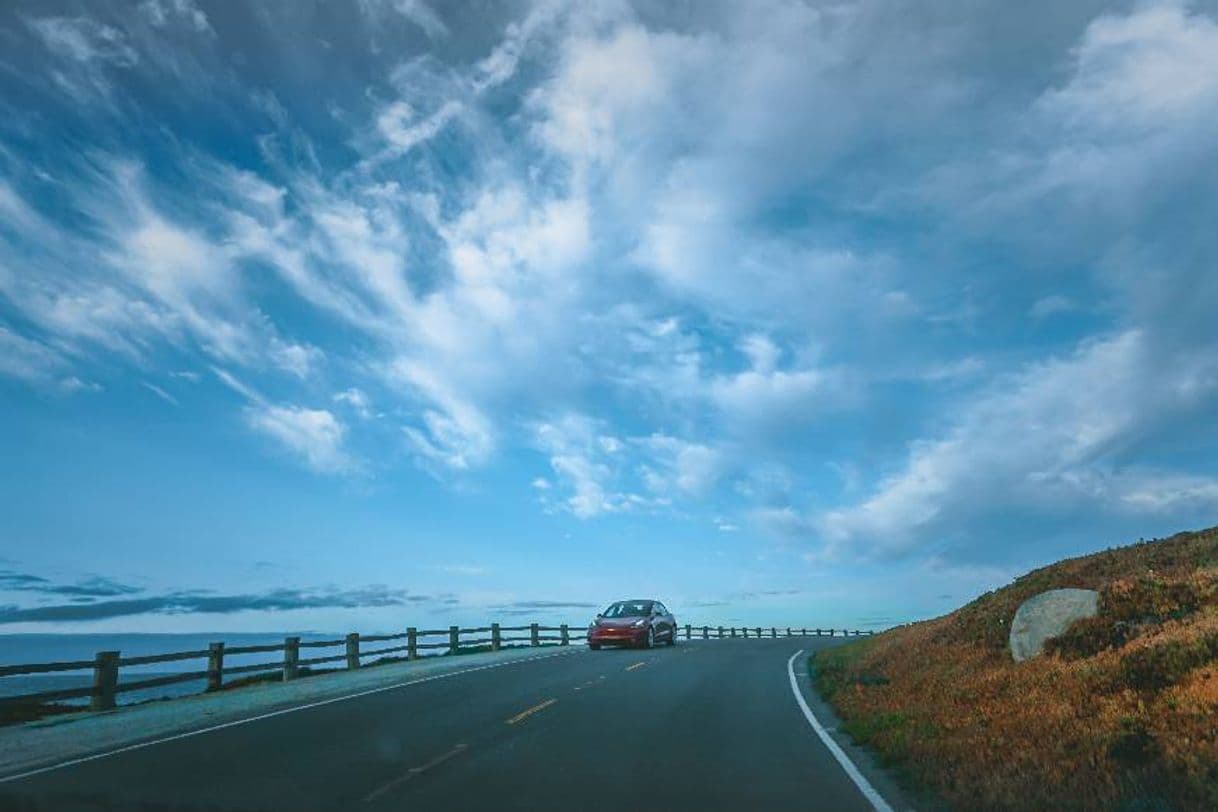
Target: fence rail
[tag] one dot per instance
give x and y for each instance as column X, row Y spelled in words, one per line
column 103, row 693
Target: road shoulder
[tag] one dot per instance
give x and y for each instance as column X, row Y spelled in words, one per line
column 898, row 797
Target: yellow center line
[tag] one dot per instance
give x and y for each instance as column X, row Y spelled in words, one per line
column 412, row 772
column 527, row 713
column 636, row 665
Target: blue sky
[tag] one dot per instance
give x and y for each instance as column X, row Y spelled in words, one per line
column 362, row 315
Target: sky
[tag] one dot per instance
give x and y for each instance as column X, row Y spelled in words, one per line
column 361, row 315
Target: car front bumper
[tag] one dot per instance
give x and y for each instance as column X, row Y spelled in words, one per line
column 609, row 637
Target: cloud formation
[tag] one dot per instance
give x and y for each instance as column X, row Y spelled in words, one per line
column 92, row 587
column 277, row 600
column 856, row 278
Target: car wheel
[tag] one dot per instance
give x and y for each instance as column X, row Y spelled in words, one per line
column 672, row 636
column 594, row 646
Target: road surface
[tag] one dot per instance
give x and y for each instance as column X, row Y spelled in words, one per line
column 705, row 725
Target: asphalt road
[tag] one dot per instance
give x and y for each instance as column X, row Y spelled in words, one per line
column 701, row 726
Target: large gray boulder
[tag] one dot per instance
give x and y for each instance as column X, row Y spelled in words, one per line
column 1048, row 615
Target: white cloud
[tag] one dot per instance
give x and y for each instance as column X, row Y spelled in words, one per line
column 314, row 436
column 679, row 468
column 35, row 363
column 601, row 474
column 161, row 13
column 84, row 40
column 297, row 359
column 357, row 401
column 417, row 12
column 587, row 480
column 231, row 381
column 160, row 393
column 1168, row 493
column 1153, row 69
column 399, row 126
column 579, row 462
column 456, row 433
column 501, row 64
column 1032, row 442
column 765, row 398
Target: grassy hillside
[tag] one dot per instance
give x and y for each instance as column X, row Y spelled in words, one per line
column 1121, row 712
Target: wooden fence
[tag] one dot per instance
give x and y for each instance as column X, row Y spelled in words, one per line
column 411, row 644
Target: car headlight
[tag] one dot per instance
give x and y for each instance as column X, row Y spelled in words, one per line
column 640, row 622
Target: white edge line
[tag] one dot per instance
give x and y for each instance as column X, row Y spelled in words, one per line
column 869, row 792
column 281, row 712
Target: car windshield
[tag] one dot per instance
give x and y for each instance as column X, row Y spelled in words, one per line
column 628, row 609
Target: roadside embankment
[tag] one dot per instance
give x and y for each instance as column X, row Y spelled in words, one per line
column 1120, row 712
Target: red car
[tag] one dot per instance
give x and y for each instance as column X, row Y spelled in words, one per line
column 633, row 623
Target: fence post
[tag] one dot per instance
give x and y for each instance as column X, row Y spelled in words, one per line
column 720, row 632
column 831, row 632
column 564, row 635
column 353, row 651
column 788, row 631
column 412, row 643
column 215, row 666
column 688, row 631
column 496, row 637
column 773, row 633
column 818, row 632
column 454, row 639
column 705, row 632
column 291, row 657
column 803, row 632
column 105, row 681
column 759, row 632
column 534, row 635
column 733, row 633
column 745, row 631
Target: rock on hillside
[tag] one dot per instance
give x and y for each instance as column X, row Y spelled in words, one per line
column 1120, row 712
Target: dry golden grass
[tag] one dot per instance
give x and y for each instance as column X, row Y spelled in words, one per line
column 1121, row 714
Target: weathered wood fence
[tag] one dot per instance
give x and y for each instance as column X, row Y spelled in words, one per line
column 410, row 644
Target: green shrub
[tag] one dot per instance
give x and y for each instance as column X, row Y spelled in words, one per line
column 1088, row 637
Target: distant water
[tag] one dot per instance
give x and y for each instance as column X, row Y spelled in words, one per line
column 47, row 648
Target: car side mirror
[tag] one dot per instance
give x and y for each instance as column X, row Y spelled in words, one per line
column 599, row 615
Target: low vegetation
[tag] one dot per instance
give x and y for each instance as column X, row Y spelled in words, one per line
column 1121, row 712
column 16, row 713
